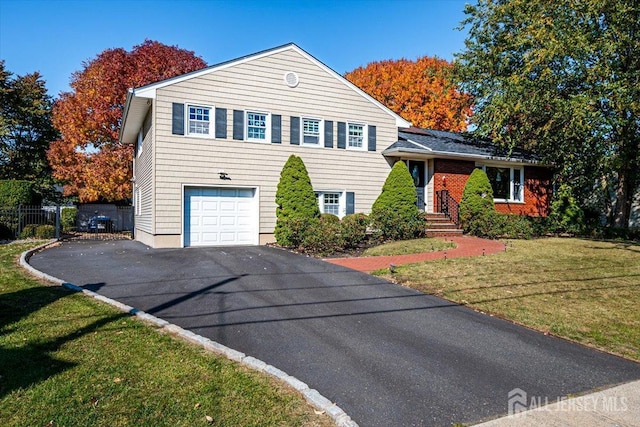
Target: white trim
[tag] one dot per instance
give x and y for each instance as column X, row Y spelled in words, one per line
column 320, row 132
column 140, row 142
column 267, row 131
column 212, row 120
column 512, row 169
column 510, row 162
column 419, row 145
column 342, row 207
column 365, row 135
column 149, row 91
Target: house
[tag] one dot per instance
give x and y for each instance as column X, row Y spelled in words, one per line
column 521, row 184
column 210, row 145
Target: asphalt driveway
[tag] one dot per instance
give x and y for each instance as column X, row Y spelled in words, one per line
column 388, row 355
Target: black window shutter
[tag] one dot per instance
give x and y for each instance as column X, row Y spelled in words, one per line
column 328, row 134
column 238, row 124
column 276, row 128
column 342, row 135
column 221, row 123
column 295, row 130
column 372, row 138
column 351, row 202
column 177, row 119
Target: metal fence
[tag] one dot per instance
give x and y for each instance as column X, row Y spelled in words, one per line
column 23, row 222
column 104, row 221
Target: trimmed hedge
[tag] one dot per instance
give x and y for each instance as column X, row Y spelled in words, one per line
column 477, row 210
column 354, row 229
column 68, row 217
column 395, row 214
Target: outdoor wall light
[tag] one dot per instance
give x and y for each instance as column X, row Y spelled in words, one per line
column 444, row 180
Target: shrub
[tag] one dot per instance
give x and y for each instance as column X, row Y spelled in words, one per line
column 29, row 231
column 15, row 192
column 323, row 236
column 395, row 214
column 68, row 218
column 5, row 232
column 295, row 198
column 330, row 218
column 477, row 211
column 566, row 215
column 354, row 229
column 513, row 227
column 45, row 232
column 292, row 231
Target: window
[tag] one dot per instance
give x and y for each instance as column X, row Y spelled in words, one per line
column 356, row 136
column 311, row 131
column 331, row 202
column 506, row 182
column 257, row 126
column 140, row 143
column 199, row 120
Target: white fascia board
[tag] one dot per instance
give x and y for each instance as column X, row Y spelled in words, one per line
column 149, row 91
column 459, row 156
column 419, row 145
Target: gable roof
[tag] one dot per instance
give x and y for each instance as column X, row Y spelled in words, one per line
column 436, row 143
column 136, row 105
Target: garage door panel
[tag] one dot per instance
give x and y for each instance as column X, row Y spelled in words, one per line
column 220, row 216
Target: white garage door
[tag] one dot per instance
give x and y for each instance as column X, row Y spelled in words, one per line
column 220, row 216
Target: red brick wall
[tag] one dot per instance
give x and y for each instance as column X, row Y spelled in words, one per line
column 451, row 175
column 537, row 186
column 537, row 194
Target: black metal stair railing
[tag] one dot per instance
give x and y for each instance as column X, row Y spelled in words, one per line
column 447, row 205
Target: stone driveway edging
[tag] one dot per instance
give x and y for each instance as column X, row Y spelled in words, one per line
column 318, row 401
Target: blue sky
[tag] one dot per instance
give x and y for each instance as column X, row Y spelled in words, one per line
column 54, row 37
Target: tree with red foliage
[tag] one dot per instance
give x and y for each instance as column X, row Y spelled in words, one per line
column 88, row 157
column 420, row 91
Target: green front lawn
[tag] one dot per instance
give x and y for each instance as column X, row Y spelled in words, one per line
column 583, row 290
column 66, row 359
column 404, row 247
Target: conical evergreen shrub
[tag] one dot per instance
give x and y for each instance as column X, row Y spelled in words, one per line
column 477, row 209
column 395, row 214
column 296, row 202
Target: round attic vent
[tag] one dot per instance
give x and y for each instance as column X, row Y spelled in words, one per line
column 291, row 79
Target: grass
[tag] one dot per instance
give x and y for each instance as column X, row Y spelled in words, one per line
column 405, row 247
column 69, row 360
column 583, row 290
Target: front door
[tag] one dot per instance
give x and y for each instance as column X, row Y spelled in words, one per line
column 416, row 169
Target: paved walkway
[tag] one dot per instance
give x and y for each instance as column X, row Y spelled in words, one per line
column 465, row 246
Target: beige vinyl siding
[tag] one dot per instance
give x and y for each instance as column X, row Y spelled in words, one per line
column 145, row 179
column 259, row 85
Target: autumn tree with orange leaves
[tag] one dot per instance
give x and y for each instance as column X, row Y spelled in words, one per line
column 420, row 91
column 88, row 157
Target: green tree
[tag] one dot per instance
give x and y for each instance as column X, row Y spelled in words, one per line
column 561, row 78
column 395, row 212
column 566, row 215
column 296, row 201
column 476, row 205
column 25, row 130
